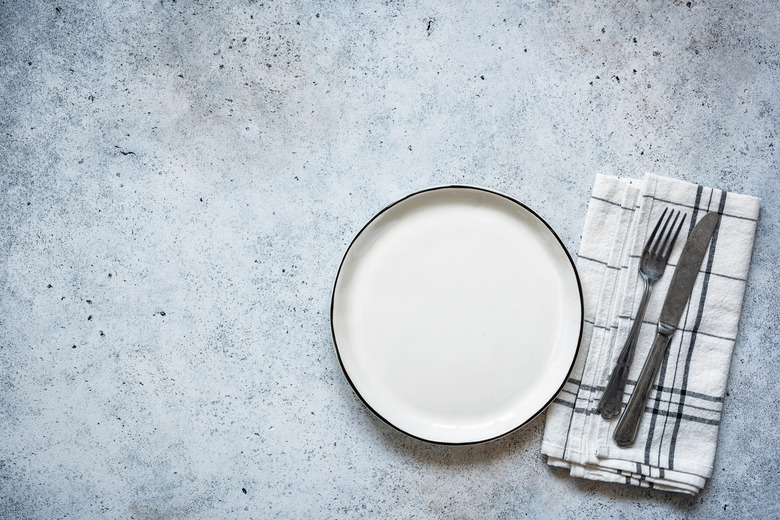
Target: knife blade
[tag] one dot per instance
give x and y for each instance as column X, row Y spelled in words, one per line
column 677, row 297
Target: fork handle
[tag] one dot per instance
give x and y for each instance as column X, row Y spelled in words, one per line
column 612, row 399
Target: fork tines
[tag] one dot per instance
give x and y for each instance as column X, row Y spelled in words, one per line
column 659, row 247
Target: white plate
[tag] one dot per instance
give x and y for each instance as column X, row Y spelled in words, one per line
column 457, row 314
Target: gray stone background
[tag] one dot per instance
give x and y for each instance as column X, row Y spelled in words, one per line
column 179, row 181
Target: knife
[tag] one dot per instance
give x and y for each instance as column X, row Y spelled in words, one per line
column 680, row 290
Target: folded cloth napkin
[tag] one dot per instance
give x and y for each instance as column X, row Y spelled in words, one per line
column 675, row 445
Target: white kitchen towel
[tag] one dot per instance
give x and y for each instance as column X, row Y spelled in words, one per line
column 675, row 446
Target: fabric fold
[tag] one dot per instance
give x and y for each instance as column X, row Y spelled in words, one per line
column 675, row 446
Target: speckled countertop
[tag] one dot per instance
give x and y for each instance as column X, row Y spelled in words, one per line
column 179, row 181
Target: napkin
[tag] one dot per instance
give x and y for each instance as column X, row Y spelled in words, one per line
column 675, row 445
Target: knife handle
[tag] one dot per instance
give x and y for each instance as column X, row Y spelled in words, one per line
column 628, row 425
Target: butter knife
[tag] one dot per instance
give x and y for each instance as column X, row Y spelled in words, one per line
column 680, row 290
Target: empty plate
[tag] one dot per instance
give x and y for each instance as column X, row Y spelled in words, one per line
column 456, row 314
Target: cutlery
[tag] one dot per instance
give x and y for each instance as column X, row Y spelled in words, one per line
column 651, row 267
column 679, row 292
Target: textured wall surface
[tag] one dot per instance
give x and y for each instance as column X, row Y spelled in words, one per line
column 179, row 181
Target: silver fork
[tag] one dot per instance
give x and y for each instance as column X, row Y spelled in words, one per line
column 651, row 267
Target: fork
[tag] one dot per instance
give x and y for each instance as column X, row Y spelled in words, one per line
column 651, row 267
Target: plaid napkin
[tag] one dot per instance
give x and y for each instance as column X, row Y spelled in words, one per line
column 675, row 446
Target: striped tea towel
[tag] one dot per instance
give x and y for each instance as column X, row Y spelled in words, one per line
column 675, row 446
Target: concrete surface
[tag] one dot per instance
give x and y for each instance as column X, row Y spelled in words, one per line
column 179, row 183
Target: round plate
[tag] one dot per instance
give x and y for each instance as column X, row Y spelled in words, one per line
column 457, row 314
